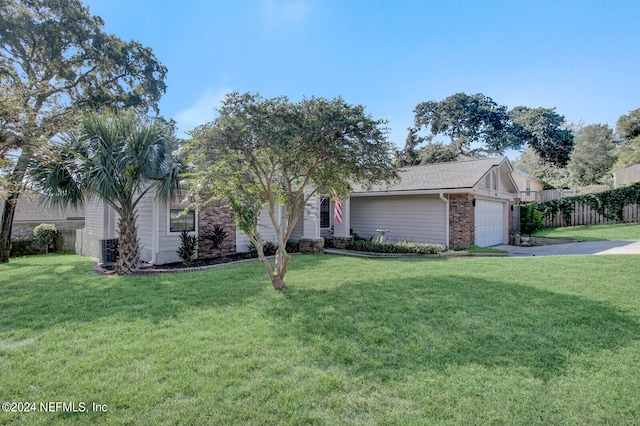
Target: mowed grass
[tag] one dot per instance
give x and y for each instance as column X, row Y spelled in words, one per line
column 518, row 341
column 620, row 231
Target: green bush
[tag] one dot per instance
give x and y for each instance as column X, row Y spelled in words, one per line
column 531, row 219
column 25, row 246
column 45, row 234
column 269, row 249
column 188, row 247
column 400, row 247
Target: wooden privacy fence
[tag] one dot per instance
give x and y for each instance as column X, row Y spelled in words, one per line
column 585, row 215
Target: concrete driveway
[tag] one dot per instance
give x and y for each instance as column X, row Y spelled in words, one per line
column 578, row 248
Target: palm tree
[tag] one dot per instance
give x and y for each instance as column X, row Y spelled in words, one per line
column 118, row 158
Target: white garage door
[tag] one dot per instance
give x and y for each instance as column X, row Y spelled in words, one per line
column 489, row 222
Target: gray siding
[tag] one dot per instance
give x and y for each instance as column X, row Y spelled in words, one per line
column 145, row 226
column 265, row 228
column 420, row 218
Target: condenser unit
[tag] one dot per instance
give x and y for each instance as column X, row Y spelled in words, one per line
column 108, row 250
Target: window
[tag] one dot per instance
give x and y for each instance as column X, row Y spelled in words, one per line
column 491, row 180
column 528, row 187
column 324, row 213
column 179, row 218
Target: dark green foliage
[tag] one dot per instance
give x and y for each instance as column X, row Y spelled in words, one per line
column 531, row 219
column 401, row 247
column 188, row 247
column 292, row 246
column 610, row 204
column 26, row 246
column 216, row 236
column 476, row 125
column 269, row 249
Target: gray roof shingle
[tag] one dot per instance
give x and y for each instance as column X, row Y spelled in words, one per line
column 450, row 175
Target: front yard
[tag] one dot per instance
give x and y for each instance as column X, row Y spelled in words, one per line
column 553, row 340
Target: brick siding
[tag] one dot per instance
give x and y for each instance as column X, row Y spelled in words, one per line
column 461, row 221
column 208, row 217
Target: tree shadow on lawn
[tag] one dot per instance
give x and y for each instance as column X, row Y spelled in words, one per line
column 387, row 329
column 43, row 300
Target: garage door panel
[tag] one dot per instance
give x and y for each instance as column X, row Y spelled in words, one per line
column 489, row 223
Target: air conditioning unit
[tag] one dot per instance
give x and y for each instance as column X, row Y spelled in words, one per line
column 108, row 250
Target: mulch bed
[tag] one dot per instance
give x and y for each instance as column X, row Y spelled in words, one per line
column 196, row 265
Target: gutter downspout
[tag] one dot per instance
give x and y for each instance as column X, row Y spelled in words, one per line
column 446, row 202
column 154, row 233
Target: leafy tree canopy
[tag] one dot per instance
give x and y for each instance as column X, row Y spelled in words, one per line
column 55, row 62
column 269, row 152
column 628, row 130
column 476, row 125
column 592, row 156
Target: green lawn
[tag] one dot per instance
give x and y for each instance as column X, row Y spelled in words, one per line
column 539, row 340
column 621, row 231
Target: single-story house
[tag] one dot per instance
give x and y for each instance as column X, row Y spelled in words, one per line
column 30, row 213
column 528, row 186
column 160, row 224
column 457, row 204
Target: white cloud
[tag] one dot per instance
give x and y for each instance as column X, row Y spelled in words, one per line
column 202, row 111
column 285, row 11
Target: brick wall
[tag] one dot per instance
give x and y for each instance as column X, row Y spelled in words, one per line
column 208, row 217
column 461, row 221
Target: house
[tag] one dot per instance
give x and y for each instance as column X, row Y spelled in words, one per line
column 529, row 186
column 160, row 224
column 31, row 213
column 626, row 176
column 457, row 204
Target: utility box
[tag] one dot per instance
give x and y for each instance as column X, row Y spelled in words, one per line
column 108, row 250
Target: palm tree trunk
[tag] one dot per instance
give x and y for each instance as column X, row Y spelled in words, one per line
column 128, row 247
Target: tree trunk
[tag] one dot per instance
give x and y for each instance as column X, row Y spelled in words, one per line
column 128, row 247
column 10, row 205
column 7, row 226
column 277, row 281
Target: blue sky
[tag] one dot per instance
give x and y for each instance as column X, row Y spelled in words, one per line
column 582, row 57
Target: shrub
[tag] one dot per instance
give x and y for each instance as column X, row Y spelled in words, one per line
column 531, row 219
column 292, row 246
column 268, row 248
column 188, row 247
column 401, row 247
column 45, row 234
column 25, row 246
column 216, row 236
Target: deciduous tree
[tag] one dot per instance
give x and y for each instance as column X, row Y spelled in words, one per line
column 628, row 130
column 269, row 152
column 592, row 156
column 476, row 125
column 55, row 61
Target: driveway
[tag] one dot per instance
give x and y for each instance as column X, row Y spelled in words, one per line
column 578, row 248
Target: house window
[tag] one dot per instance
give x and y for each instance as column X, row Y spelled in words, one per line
column 181, row 216
column 325, row 208
column 528, row 187
column 491, row 180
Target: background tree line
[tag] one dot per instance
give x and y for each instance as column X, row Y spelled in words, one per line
column 559, row 153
